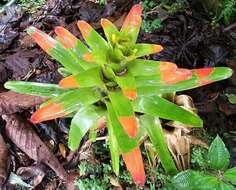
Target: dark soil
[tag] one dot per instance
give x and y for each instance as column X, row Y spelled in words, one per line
column 188, row 38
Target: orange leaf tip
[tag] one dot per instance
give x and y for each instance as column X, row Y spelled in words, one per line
column 105, row 22
column 136, row 10
column 69, row 82
column 45, row 41
column 134, row 164
column 67, row 39
column 129, row 125
column 85, row 28
column 47, row 112
column 157, row 48
column 130, row 93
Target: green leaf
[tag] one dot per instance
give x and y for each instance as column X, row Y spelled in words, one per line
column 224, row 186
column 142, row 67
column 231, row 98
column 68, row 60
column 218, row 155
column 89, row 78
column 125, row 143
column 152, row 85
column 155, row 133
column 124, row 112
column 192, row 180
column 34, row 88
column 132, row 23
column 114, row 150
column 84, row 119
column 66, row 103
column 146, row 49
column 157, row 106
column 127, row 84
column 110, row 30
column 205, row 182
column 95, row 41
column 184, row 180
column 230, row 175
column 64, row 72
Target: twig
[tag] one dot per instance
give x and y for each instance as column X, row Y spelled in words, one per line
column 230, row 27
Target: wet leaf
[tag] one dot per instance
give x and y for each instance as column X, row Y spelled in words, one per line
column 11, row 102
column 34, row 173
column 24, row 137
column 4, row 163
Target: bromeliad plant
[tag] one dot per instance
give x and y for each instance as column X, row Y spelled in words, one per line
column 108, row 80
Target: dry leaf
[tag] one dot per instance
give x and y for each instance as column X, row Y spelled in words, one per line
column 11, row 102
column 4, row 161
column 24, row 137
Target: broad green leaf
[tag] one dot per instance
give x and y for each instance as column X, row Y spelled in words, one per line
column 92, row 38
column 142, row 67
column 224, row 186
column 114, row 150
column 110, row 30
column 88, row 78
column 146, row 49
column 132, row 23
column 124, row 112
column 205, row 182
column 230, row 175
column 157, row 106
column 151, row 85
column 34, row 88
column 127, row 85
column 218, row 155
column 155, row 133
column 68, row 60
column 84, row 119
column 184, row 180
column 125, row 143
column 65, row 104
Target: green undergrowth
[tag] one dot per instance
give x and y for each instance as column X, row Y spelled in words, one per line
column 100, row 176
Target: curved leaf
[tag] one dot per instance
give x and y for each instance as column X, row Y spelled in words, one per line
column 132, row 23
column 114, row 150
column 125, row 114
column 146, row 49
column 157, row 106
column 155, row 133
column 84, row 119
column 125, row 143
column 230, row 175
column 65, row 104
column 34, row 88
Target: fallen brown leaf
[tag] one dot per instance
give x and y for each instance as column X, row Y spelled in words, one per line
column 11, row 102
column 4, row 160
column 34, row 173
column 24, row 137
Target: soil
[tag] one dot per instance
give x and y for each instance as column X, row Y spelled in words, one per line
column 188, row 39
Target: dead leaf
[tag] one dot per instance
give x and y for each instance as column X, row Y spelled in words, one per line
column 11, row 102
column 52, row 185
column 4, row 161
column 24, row 137
column 34, row 173
column 23, row 62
